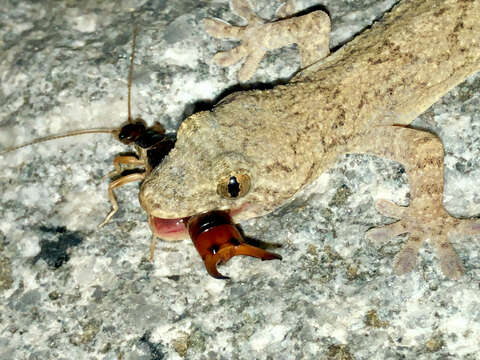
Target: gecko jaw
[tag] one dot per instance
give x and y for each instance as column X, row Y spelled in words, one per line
column 175, row 229
column 168, row 229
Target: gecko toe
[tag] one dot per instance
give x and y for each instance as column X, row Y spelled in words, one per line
column 221, row 30
column 386, row 232
column 452, row 267
column 231, row 57
column 468, row 227
column 388, row 208
column 449, row 261
column 286, row 9
column 405, row 261
column 243, row 9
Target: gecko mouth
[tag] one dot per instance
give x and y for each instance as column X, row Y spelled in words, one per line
column 169, row 229
column 214, row 235
column 176, row 229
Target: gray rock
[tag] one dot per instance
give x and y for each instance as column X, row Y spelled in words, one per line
column 333, row 296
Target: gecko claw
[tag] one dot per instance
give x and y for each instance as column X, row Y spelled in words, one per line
column 217, row 240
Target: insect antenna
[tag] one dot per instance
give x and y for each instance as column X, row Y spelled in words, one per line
column 130, row 74
column 59, row 136
column 115, row 131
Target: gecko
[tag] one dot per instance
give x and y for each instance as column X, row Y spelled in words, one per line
column 256, row 149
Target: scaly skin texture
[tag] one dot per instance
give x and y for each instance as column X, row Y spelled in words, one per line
column 286, row 137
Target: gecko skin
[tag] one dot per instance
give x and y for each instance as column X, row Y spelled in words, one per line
column 284, row 138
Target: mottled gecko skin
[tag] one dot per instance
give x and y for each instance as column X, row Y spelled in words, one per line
column 286, row 137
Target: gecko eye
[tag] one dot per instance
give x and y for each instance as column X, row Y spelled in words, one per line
column 234, row 185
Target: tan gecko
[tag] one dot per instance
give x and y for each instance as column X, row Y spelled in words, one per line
column 275, row 142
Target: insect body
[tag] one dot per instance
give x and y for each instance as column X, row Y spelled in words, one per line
column 152, row 140
column 151, row 145
column 217, row 240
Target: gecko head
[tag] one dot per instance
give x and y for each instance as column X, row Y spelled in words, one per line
column 205, row 171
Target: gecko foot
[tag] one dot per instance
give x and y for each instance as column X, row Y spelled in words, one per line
column 260, row 36
column 421, row 223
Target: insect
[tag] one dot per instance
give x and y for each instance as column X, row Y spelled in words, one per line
column 217, row 240
column 215, row 236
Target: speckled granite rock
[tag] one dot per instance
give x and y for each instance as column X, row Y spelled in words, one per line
column 71, row 291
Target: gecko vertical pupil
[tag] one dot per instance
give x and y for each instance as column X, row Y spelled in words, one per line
column 233, row 187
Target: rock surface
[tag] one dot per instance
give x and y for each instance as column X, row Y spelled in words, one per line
column 71, row 291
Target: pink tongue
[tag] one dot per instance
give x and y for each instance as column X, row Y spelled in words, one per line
column 169, row 229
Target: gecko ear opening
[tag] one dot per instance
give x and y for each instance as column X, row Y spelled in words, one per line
column 217, row 240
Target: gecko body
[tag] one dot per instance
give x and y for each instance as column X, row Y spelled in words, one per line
column 284, row 138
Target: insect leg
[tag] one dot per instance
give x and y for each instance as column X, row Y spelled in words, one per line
column 113, row 185
column 152, row 246
column 121, row 162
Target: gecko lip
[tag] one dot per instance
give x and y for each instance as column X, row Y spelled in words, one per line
column 175, row 229
column 168, row 229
